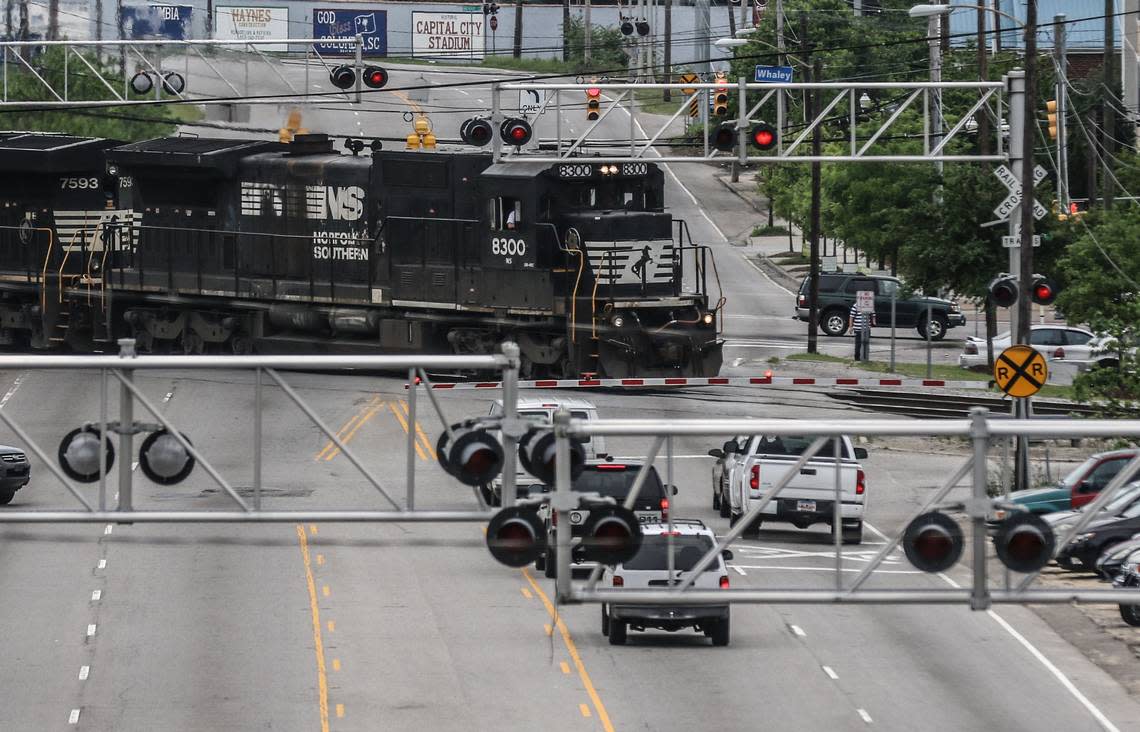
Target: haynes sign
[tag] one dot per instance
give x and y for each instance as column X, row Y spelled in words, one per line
column 369, row 23
column 245, row 23
column 448, row 35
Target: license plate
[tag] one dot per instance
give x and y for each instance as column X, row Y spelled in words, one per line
column 805, row 506
column 648, row 517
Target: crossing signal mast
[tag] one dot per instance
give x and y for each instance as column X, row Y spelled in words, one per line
column 1004, row 290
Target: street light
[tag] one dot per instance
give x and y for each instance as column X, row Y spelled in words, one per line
column 926, row 10
column 730, row 42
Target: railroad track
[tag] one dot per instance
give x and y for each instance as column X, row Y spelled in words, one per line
column 949, row 406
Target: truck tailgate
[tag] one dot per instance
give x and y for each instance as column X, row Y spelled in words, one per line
column 815, row 480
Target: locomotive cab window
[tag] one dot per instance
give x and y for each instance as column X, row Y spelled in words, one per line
column 506, row 214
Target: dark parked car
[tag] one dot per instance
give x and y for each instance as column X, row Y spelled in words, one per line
column 14, row 472
column 1084, row 550
column 837, row 295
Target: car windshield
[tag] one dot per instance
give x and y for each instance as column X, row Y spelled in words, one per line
column 1131, row 512
column 615, row 481
column 793, row 445
column 688, row 550
column 1077, row 473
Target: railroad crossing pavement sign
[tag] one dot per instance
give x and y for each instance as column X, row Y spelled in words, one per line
column 1006, row 207
column 689, row 78
column 531, row 100
column 865, row 301
column 1020, row 371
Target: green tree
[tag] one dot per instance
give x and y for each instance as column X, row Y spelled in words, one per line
column 607, row 48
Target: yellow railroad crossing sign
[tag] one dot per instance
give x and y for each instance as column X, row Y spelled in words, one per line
column 1020, row 371
column 689, row 78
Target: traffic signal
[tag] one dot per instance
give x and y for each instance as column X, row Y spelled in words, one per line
column 79, row 454
column 720, row 96
column 611, row 535
column 515, row 131
column 723, row 137
column 343, row 77
column 626, row 27
column 538, row 456
column 593, row 103
column 375, row 77
column 1051, row 116
column 516, row 536
column 476, row 131
column 1044, row 290
column 1024, row 542
column 763, row 136
column 642, row 27
column 471, row 455
column 933, row 542
column 1003, row 290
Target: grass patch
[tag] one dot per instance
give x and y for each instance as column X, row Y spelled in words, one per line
column 768, row 230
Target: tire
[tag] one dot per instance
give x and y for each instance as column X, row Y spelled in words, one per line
column 716, row 500
column 1130, row 614
column 6, row 495
column 938, row 332
column 853, row 534
column 618, row 632
column 548, row 566
column 833, row 322
column 605, row 620
column 720, row 633
column 733, row 519
column 540, row 563
column 754, row 529
column 725, row 508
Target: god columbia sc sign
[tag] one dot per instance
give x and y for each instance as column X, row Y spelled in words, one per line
column 448, row 35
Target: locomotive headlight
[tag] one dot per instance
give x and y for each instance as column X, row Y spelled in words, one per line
column 617, row 321
column 707, row 318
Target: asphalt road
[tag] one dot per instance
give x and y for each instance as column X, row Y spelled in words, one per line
column 355, row 627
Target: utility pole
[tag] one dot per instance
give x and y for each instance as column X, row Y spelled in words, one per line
column 586, row 37
column 704, row 40
column 997, row 26
column 1029, row 127
column 816, row 146
column 518, row 29
column 934, row 40
column 857, row 5
column 565, row 29
column 1107, row 118
column 732, row 19
column 668, row 47
column 1129, row 73
column 53, row 20
column 983, row 119
column 1062, row 110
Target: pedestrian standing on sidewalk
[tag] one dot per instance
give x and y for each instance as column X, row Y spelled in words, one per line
column 861, row 323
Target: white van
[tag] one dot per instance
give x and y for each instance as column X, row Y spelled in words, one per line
column 541, row 410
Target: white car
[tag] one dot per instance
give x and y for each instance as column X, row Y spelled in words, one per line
column 726, row 459
column 1054, row 342
column 690, row 540
column 1104, row 352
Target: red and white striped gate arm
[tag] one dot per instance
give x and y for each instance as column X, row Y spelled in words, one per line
column 715, row 381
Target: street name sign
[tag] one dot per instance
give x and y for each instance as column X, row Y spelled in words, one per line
column 774, row 74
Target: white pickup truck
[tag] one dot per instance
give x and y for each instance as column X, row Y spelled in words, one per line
column 762, row 460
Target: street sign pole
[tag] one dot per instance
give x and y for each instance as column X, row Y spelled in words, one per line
column 1016, row 81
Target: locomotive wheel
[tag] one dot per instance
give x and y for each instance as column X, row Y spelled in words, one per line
column 241, row 345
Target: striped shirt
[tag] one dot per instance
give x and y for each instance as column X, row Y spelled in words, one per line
column 859, row 319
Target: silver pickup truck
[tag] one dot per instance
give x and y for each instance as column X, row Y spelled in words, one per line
column 762, row 460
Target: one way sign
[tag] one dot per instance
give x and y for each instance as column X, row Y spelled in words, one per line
column 1013, row 200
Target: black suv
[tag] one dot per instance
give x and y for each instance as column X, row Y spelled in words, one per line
column 14, row 472
column 837, row 295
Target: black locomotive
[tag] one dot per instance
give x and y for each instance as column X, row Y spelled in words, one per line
column 239, row 245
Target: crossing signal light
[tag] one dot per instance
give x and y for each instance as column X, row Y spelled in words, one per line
column 626, row 27
column 720, row 96
column 343, row 77
column 476, row 131
column 79, row 454
column 516, row 536
column 164, row 460
column 172, row 82
column 537, row 456
column 642, row 28
column 471, row 455
column 723, row 138
column 1044, row 290
column 515, row 131
column 593, row 103
column 1051, row 116
column 933, row 542
column 1024, row 542
column 611, row 535
column 1003, row 290
column 375, row 77
column 764, row 136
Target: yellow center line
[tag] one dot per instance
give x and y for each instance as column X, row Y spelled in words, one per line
column 564, row 666
column 404, row 423
column 526, row 593
column 573, row 651
column 428, row 447
column 352, row 433
column 584, row 709
column 348, row 425
column 339, row 710
column 318, row 643
column 332, row 626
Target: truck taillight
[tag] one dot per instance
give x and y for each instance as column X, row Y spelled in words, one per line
column 724, row 581
column 803, row 301
column 754, row 481
column 618, row 581
column 1059, row 353
column 971, row 349
column 860, row 482
column 664, row 508
column 553, row 517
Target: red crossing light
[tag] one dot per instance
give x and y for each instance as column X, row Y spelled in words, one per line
column 764, row 136
column 375, row 77
column 515, row 132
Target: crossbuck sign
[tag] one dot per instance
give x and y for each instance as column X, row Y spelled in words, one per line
column 1013, row 200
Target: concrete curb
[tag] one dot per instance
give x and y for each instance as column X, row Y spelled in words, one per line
column 778, row 273
column 752, row 204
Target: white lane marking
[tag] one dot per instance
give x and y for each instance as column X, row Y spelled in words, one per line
column 1098, row 715
column 134, row 467
column 765, row 274
column 736, row 362
column 866, row 717
column 765, row 345
column 480, row 101
column 168, row 396
column 73, row 718
column 798, row 631
column 831, row 673
column 739, row 571
column 91, row 630
column 828, row 569
column 464, row 92
column 12, row 390
column 876, row 532
column 712, row 224
column 108, row 529
column 102, row 564
column 96, row 595
column 84, row 672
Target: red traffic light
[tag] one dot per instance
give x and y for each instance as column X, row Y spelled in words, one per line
column 516, row 537
column 375, row 77
column 724, row 137
column 476, row 131
column 343, row 77
column 1024, row 542
column 764, row 136
column 612, row 534
column 933, row 542
column 515, row 132
column 1003, row 290
column 1044, row 290
column 593, row 92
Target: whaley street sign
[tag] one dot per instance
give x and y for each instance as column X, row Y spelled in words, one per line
column 774, row 74
column 1013, row 200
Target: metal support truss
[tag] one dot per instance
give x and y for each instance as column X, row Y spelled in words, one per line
column 123, row 368
column 979, row 429
column 863, row 122
column 214, row 71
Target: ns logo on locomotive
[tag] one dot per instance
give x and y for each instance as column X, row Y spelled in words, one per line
column 228, row 245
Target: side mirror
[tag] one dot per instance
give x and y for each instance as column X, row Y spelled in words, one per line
column 726, row 554
column 731, row 446
column 860, row 453
column 674, row 489
column 716, row 453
